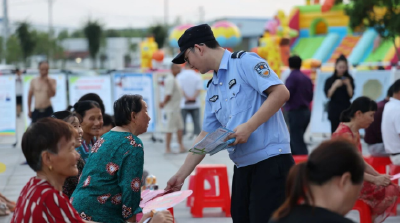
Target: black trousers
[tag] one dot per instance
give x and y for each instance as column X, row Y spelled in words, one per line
column 41, row 113
column 259, row 189
column 298, row 122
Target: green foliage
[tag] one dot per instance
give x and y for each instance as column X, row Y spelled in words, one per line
column 93, row 32
column 14, row 51
column 160, row 34
column 112, row 33
column 26, row 40
column 13, row 54
column 382, row 15
column 77, row 34
column 63, row 35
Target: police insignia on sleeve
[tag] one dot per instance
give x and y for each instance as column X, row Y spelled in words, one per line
column 232, row 83
column 262, row 69
column 214, row 98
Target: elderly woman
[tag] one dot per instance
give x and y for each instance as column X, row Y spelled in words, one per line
column 92, row 124
column 109, row 188
column 49, row 148
column 73, row 119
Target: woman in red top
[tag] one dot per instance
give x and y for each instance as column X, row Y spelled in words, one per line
column 49, row 149
column 378, row 191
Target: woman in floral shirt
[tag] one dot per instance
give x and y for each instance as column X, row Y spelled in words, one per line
column 109, row 188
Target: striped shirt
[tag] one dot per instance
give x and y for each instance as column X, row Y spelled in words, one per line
column 41, row 202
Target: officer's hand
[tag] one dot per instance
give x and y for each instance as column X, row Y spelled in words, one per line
column 242, row 134
column 175, row 183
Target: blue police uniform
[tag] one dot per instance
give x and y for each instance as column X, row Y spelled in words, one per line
column 234, row 95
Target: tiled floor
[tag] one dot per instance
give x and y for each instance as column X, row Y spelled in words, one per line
column 156, row 163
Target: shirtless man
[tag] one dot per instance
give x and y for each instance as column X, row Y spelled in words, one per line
column 42, row 88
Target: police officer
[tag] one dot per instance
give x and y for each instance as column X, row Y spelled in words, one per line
column 244, row 95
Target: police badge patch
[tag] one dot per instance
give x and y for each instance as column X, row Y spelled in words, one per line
column 262, row 69
column 214, row 98
column 232, row 83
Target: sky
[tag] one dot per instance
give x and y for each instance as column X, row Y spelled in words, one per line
column 72, row 14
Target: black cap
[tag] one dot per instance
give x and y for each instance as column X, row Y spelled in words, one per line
column 194, row 35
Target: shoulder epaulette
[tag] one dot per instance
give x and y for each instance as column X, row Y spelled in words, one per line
column 238, row 54
column 209, row 82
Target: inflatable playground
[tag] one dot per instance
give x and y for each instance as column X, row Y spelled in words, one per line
column 324, row 35
column 317, row 32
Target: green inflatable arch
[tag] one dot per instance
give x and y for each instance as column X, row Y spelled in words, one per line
column 313, row 26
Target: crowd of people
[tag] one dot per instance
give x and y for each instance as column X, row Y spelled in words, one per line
column 89, row 165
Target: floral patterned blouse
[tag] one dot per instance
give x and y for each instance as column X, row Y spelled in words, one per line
column 109, row 188
column 84, row 149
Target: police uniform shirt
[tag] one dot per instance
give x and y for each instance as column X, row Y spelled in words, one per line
column 234, row 95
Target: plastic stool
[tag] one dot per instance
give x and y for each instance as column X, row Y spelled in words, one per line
column 300, row 158
column 140, row 215
column 379, row 163
column 364, row 211
column 223, row 200
column 210, row 192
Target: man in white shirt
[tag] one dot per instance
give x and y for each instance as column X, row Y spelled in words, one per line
column 171, row 105
column 191, row 85
column 391, row 125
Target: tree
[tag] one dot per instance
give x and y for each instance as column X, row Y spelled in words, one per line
column 93, row 32
column 43, row 43
column 13, row 54
column 26, row 40
column 14, row 51
column 160, row 34
column 382, row 15
column 77, row 34
column 112, row 33
column 63, row 35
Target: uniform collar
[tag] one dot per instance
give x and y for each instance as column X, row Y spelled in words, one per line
column 222, row 66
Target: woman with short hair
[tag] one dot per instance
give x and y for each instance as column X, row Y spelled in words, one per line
column 109, row 188
column 49, row 148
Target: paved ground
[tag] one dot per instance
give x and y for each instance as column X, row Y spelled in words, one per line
column 156, row 163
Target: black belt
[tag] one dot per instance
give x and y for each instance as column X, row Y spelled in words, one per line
column 394, row 154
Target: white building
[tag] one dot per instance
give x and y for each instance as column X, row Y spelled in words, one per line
column 111, row 56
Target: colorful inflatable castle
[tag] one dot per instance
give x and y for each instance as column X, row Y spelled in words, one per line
column 324, row 35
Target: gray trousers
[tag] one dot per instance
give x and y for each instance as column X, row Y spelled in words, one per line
column 195, row 113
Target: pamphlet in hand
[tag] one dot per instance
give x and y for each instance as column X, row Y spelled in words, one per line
column 213, row 142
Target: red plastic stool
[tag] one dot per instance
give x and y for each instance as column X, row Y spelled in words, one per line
column 140, row 215
column 378, row 163
column 364, row 211
column 300, row 158
column 223, row 200
column 210, row 192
